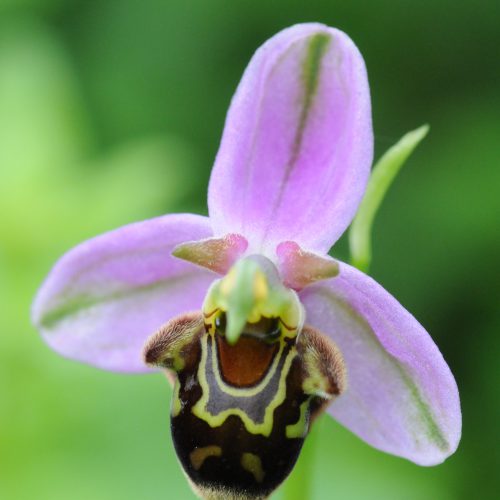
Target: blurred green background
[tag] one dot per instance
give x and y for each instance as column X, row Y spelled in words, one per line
column 112, row 111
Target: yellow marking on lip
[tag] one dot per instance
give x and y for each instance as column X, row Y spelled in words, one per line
column 299, row 428
column 290, row 328
column 248, row 391
column 253, row 464
column 199, row 455
column 265, row 428
column 211, row 313
column 176, row 400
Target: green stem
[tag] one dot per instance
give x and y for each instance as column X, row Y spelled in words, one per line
column 384, row 172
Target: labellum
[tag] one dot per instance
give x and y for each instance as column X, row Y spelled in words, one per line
column 249, row 379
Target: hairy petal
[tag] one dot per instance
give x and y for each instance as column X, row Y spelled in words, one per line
column 216, row 254
column 297, row 145
column 299, row 268
column 104, row 298
column 401, row 396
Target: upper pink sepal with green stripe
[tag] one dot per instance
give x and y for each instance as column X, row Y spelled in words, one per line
column 297, row 146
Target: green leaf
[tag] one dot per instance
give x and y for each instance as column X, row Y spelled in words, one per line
column 383, row 174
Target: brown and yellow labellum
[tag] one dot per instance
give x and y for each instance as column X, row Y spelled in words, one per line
column 240, row 413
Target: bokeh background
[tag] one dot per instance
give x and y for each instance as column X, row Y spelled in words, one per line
column 111, row 112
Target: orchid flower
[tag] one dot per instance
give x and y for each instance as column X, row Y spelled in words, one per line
column 258, row 328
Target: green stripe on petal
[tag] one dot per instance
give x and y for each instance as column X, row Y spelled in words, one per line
column 81, row 304
column 105, row 297
column 401, row 396
column 434, row 433
column 298, row 144
column 422, row 414
column 311, row 69
column 420, row 419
